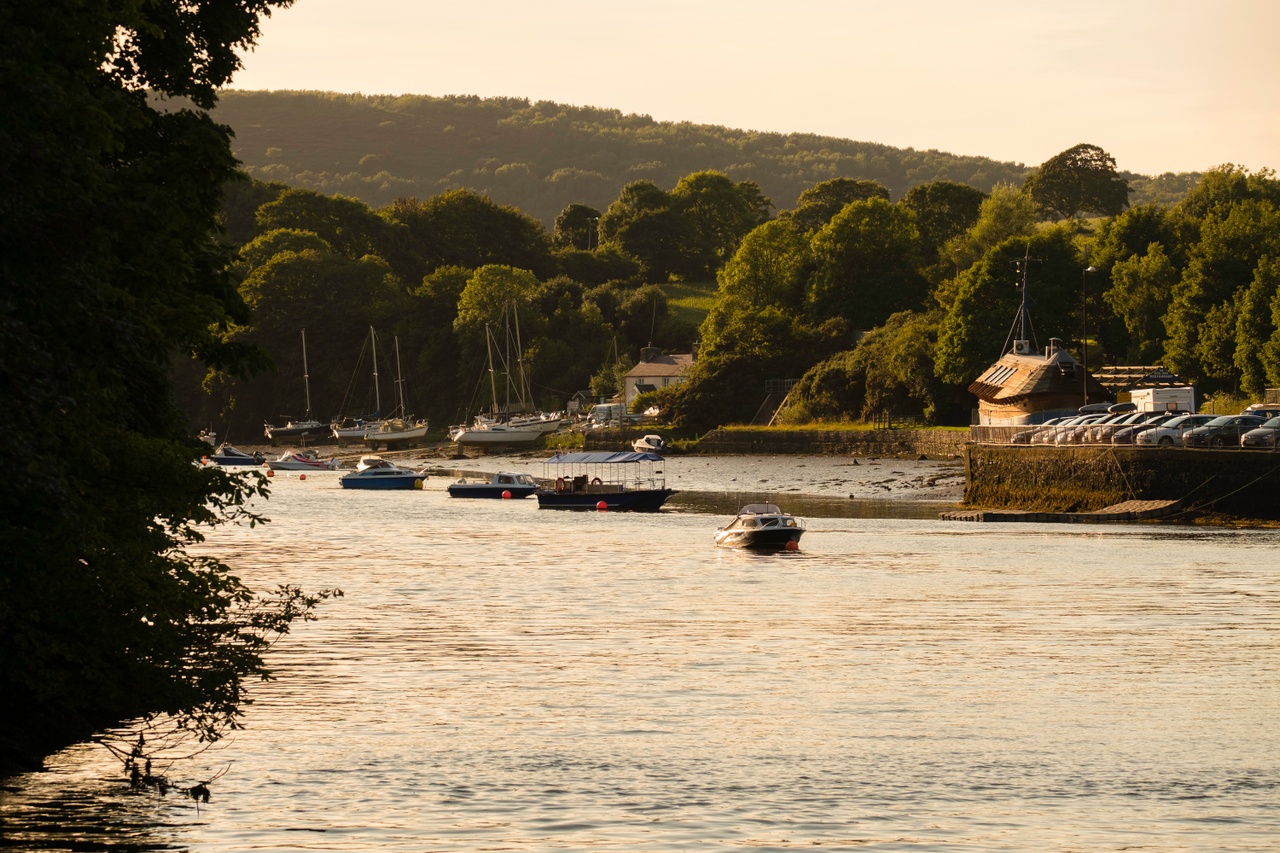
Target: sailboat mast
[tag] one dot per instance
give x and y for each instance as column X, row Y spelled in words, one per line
column 493, row 384
column 377, row 392
column 306, row 379
column 404, row 413
column 525, row 402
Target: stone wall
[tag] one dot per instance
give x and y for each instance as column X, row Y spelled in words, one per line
column 914, row 443
column 1241, row 483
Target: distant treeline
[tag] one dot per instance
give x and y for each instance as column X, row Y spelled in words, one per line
column 541, row 157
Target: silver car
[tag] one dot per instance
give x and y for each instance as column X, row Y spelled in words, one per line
column 1265, row 437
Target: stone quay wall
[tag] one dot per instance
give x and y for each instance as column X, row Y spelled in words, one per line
column 1242, row 483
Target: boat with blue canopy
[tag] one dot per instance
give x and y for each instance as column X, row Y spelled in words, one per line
column 605, row 480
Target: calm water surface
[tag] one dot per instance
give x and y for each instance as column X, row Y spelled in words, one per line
column 503, row 678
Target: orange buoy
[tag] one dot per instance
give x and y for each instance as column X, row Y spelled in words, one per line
column 506, row 494
column 302, row 476
column 602, row 506
column 204, row 460
column 270, row 473
column 793, row 545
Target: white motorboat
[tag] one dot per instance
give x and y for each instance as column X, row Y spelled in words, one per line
column 763, row 527
column 649, row 444
column 302, row 460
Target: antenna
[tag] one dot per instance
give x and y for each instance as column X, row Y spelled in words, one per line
column 1022, row 320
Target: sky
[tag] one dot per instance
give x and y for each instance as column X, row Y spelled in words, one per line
column 1161, row 85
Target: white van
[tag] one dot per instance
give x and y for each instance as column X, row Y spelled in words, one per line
column 603, row 414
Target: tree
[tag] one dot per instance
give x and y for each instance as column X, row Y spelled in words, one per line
column 867, row 261
column 977, row 327
column 575, row 228
column 1141, row 289
column 819, row 203
column 110, row 272
column 1007, row 212
column 718, row 214
column 769, row 267
column 459, row 228
column 1080, row 179
column 944, row 210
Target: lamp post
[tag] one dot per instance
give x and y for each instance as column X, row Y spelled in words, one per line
column 595, row 222
column 1084, row 335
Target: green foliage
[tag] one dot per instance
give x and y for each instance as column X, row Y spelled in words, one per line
column 944, row 210
column 1141, row 288
column 976, row 328
column 819, row 204
column 459, row 228
column 108, row 212
column 541, row 157
column 1082, row 178
column 890, row 371
column 1007, row 212
column 575, row 228
column 867, row 263
column 719, row 213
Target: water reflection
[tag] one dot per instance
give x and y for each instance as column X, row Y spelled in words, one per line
column 499, row 677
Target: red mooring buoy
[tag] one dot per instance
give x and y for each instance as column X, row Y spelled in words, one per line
column 793, row 545
column 602, row 506
column 506, row 495
column 270, row 473
column 302, row 476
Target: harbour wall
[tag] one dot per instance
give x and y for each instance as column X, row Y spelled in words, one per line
column 1240, row 483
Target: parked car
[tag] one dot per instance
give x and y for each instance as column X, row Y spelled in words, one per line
column 1222, row 432
column 1102, row 431
column 1170, row 433
column 1265, row 437
column 1129, row 434
column 1025, row 436
column 1075, row 435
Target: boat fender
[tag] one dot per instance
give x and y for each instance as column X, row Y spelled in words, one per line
column 595, row 481
column 560, row 484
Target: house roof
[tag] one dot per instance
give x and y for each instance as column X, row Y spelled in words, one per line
column 1017, row 377
column 662, row 365
column 1128, row 377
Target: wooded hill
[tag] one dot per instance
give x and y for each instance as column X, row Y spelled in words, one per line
column 541, row 157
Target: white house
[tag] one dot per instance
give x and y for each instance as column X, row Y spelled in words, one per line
column 654, row 371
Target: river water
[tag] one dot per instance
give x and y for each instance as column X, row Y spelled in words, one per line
column 503, row 678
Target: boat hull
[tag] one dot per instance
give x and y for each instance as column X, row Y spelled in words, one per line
column 635, row 500
column 489, row 490
column 382, row 484
column 759, row 540
column 497, row 436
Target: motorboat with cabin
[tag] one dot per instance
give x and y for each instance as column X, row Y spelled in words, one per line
column 502, row 485
column 604, row 480
column 229, row 456
column 302, row 460
column 649, row 444
column 762, row 527
column 374, row 472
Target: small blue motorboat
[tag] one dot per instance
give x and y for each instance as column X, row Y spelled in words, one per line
column 374, row 472
column 503, row 485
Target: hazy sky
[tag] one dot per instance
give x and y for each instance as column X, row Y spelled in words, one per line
column 1162, row 85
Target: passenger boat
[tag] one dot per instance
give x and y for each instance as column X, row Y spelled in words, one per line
column 503, row 485
column 228, row 456
column 374, row 472
column 762, row 527
column 605, row 480
column 302, row 460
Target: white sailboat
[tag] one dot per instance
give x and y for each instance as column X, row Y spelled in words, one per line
column 307, row 426
column 349, row 429
column 401, row 429
column 499, row 428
